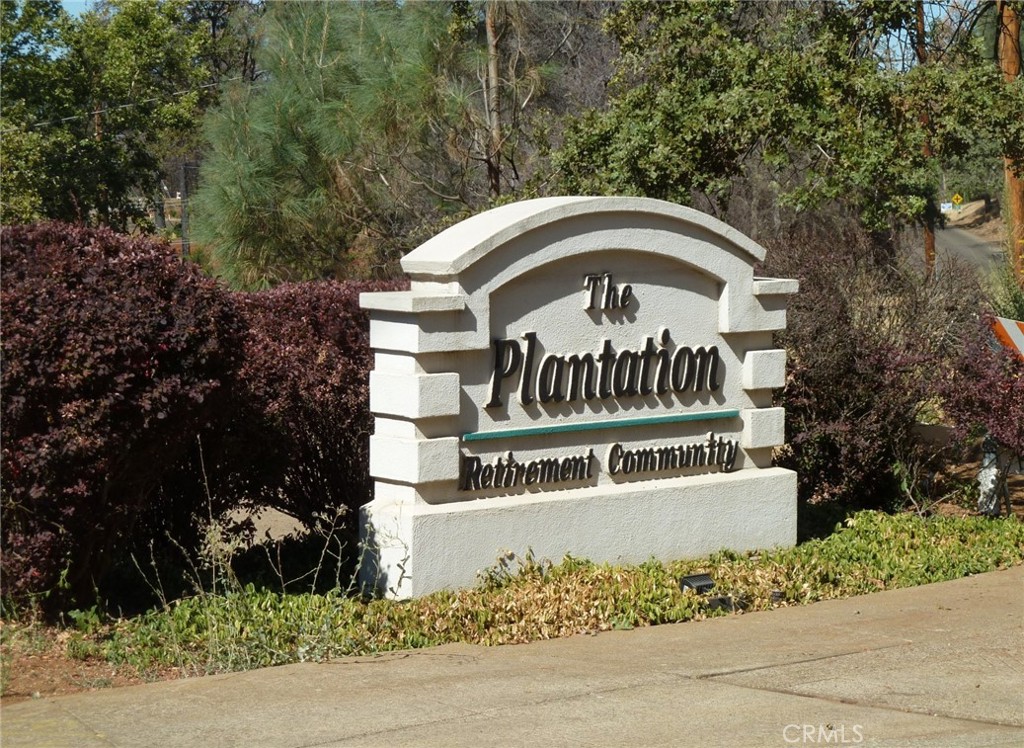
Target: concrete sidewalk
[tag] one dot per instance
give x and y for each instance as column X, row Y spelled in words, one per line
column 941, row 665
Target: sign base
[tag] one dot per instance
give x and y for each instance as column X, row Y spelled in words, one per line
column 416, row 549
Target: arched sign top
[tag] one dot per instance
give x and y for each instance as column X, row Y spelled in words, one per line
column 459, row 247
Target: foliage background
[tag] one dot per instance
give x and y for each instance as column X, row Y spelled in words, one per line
column 332, row 137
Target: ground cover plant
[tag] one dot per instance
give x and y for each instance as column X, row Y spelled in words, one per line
column 524, row 599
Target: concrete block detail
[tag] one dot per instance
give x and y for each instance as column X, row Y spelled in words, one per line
column 412, row 302
column 775, row 286
column 396, row 363
column 393, row 335
column 764, row 370
column 409, row 333
column 414, row 460
column 414, row 395
column 763, row 427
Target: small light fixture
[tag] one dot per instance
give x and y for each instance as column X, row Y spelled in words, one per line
column 702, row 584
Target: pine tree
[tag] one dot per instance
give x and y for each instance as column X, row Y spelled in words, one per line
column 372, row 124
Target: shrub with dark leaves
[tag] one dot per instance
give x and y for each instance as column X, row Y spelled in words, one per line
column 984, row 391
column 114, row 353
column 298, row 439
column 867, row 339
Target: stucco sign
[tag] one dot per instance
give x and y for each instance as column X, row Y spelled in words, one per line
column 575, row 375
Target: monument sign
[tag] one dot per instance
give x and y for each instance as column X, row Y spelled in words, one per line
column 576, row 375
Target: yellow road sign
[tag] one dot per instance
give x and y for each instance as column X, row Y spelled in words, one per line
column 957, row 199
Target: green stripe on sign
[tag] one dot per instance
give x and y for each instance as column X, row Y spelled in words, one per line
column 622, row 423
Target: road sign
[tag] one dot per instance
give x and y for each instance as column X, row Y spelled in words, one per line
column 957, row 199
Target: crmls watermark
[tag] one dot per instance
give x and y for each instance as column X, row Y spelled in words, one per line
column 823, row 734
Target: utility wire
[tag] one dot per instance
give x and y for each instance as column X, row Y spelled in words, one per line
column 86, row 115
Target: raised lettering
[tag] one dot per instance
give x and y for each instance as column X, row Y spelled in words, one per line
column 656, row 367
column 625, row 295
column 582, row 371
column 470, row 479
column 664, row 362
column 611, row 293
column 591, row 289
column 627, row 365
column 683, row 370
column 607, row 360
column 526, row 382
column 507, row 358
column 551, row 379
column 707, row 368
column 548, row 470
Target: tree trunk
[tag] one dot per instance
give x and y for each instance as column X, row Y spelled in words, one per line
column 184, row 212
column 926, row 150
column 493, row 100
column 1010, row 63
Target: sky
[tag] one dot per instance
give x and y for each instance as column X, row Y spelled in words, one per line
column 75, row 7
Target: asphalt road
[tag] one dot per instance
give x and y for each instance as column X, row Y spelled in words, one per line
column 965, row 247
